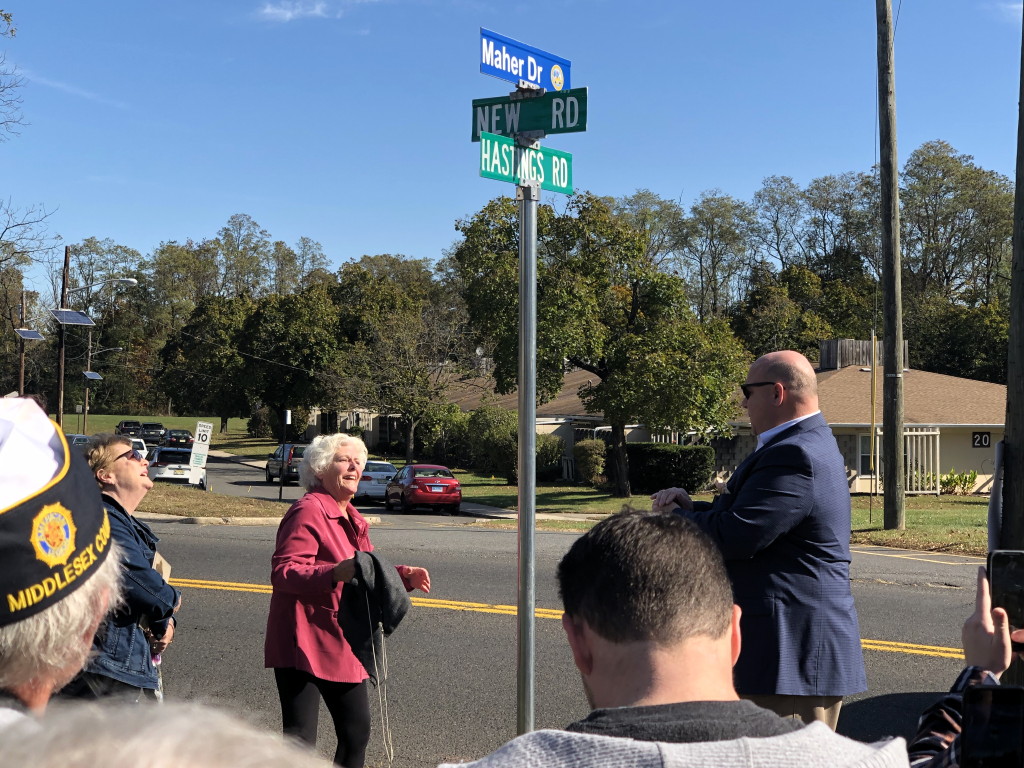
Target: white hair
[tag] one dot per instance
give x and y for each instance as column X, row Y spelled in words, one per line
column 321, row 452
column 175, row 735
column 54, row 644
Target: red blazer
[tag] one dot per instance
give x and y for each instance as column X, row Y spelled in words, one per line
column 302, row 627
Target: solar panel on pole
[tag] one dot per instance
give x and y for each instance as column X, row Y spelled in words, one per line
column 71, row 317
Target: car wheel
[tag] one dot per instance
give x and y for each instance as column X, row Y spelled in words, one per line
column 387, row 503
column 270, row 477
column 406, row 508
column 455, row 510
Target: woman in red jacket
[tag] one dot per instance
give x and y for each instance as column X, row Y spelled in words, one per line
column 316, row 543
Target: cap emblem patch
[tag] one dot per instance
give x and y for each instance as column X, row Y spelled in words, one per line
column 53, row 534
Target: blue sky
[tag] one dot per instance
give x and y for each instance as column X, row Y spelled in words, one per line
column 348, row 121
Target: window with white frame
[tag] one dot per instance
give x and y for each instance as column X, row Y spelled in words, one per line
column 865, row 457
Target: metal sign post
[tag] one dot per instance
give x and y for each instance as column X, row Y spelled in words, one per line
column 528, row 195
column 200, row 451
column 285, row 422
column 508, row 129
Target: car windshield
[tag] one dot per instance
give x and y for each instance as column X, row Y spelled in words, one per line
column 433, row 472
column 173, row 457
column 297, row 451
column 380, row 466
column 179, row 433
column 152, row 425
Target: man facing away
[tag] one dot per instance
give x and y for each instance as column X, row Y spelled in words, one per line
column 654, row 634
column 57, row 577
column 783, row 526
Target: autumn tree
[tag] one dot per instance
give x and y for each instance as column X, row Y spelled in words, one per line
column 713, row 241
column 245, row 257
column 605, row 308
column 203, row 368
column 179, row 276
column 408, row 339
column 11, row 83
column 291, row 346
column 957, row 222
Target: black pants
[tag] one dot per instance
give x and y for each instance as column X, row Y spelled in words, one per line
column 348, row 703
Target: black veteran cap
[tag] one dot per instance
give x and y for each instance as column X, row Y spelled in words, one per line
column 54, row 531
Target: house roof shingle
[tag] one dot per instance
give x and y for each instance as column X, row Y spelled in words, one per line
column 844, row 395
column 928, row 398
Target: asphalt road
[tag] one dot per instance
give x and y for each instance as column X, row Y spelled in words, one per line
column 452, row 664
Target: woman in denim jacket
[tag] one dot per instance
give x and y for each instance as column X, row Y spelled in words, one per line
column 142, row 626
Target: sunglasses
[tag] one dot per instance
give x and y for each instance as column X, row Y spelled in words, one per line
column 132, row 455
column 745, row 388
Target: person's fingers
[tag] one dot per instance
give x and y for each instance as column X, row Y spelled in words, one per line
column 1000, row 621
column 982, row 599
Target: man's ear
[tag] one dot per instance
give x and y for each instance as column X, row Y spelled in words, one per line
column 581, row 653
column 734, row 634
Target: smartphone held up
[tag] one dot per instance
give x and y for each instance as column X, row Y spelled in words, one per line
column 1006, row 583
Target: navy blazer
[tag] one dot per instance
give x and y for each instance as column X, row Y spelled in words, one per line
column 783, row 526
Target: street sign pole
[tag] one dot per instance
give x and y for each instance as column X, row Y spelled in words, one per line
column 528, row 195
column 508, row 130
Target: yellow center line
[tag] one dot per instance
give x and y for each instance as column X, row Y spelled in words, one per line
column 551, row 613
column 919, row 558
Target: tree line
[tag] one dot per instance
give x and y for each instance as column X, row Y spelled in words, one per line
column 663, row 304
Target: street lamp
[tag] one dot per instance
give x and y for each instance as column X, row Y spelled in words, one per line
column 90, row 377
column 65, row 316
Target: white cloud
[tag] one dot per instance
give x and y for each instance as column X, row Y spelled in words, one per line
column 289, row 10
column 1012, row 11
column 74, row 90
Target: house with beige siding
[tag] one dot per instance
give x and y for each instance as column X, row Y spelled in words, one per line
column 949, row 422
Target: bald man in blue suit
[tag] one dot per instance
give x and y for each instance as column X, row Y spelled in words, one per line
column 783, row 526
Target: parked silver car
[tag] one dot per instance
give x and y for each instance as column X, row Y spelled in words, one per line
column 172, row 464
column 374, row 481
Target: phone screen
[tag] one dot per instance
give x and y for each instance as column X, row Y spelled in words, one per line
column 993, row 729
column 1006, row 582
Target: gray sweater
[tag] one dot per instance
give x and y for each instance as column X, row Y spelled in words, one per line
column 815, row 746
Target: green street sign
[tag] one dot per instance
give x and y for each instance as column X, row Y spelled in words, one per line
column 554, row 112
column 502, row 159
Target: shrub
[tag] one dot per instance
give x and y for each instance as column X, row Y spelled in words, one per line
column 259, row 423
column 493, row 436
column 956, row 483
column 265, row 422
column 653, row 466
column 589, row 455
column 493, row 441
column 443, row 436
column 550, row 449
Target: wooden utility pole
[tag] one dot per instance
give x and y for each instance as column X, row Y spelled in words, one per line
column 61, row 338
column 893, row 474
column 21, row 349
column 1011, row 534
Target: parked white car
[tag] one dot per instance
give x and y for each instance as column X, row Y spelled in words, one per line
column 139, row 445
column 172, row 464
column 374, row 481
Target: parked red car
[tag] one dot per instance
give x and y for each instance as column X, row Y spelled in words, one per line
column 424, row 485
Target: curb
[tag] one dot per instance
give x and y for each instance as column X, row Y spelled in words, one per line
column 372, row 520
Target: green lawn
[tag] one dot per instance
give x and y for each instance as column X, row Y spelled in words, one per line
column 234, row 440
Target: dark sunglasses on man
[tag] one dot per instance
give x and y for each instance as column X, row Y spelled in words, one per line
column 132, row 455
column 745, row 388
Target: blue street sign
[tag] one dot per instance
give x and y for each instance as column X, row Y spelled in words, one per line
column 508, row 59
